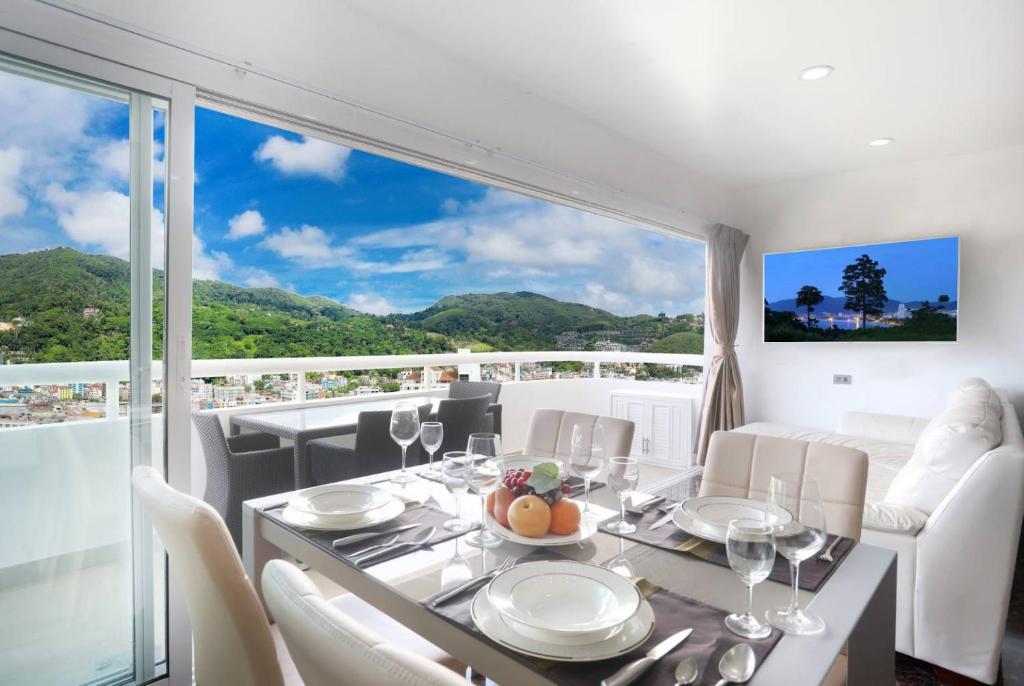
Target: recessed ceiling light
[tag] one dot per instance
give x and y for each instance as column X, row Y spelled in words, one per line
column 878, row 142
column 574, row 192
column 816, row 72
column 471, row 162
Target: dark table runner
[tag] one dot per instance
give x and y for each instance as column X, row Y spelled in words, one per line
column 672, row 612
column 415, row 514
column 813, row 573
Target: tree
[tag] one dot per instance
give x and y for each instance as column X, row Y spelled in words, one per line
column 809, row 297
column 943, row 299
column 863, row 287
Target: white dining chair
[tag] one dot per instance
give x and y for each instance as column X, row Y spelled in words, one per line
column 329, row 648
column 233, row 640
column 550, row 433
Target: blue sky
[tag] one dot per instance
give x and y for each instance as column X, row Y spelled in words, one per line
column 277, row 209
column 915, row 270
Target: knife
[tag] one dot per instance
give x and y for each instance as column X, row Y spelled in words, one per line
column 358, row 538
column 666, row 519
column 635, row 669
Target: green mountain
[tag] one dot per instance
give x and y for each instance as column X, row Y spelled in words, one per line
column 72, row 306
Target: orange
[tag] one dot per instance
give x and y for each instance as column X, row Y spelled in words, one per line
column 529, row 516
column 565, row 517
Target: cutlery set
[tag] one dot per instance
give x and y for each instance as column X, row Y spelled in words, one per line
column 735, row 667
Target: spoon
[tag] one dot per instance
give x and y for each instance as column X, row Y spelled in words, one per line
column 737, row 665
column 687, row 671
column 417, row 541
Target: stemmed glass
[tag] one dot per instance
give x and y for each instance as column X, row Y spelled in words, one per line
column 483, row 474
column 586, row 454
column 431, row 437
column 623, row 475
column 796, row 541
column 453, row 472
column 751, row 553
column 405, row 428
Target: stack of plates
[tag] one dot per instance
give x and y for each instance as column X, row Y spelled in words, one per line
column 709, row 516
column 342, row 507
column 566, row 611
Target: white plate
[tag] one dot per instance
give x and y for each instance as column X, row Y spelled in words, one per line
column 633, row 633
column 585, row 531
column 564, row 598
column 305, row 520
column 339, row 500
column 709, row 516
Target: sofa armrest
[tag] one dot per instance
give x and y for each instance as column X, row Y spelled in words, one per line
column 966, row 554
column 248, row 442
column 882, row 427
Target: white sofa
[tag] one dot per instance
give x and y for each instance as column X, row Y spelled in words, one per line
column 956, row 563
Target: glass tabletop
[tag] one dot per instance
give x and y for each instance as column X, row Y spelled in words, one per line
column 324, row 416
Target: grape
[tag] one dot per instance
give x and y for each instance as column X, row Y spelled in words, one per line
column 527, row 475
column 565, row 489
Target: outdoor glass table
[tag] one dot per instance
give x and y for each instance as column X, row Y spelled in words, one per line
column 858, row 602
column 301, row 425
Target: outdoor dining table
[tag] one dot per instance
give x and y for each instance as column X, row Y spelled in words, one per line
column 857, row 601
column 303, row 424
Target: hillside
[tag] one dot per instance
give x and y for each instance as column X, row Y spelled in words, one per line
column 75, row 306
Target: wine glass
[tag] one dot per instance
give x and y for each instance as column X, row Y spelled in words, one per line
column 623, row 475
column 405, row 428
column 586, row 454
column 621, row 564
column 796, row 541
column 431, row 437
column 751, row 552
column 453, row 472
column 483, row 474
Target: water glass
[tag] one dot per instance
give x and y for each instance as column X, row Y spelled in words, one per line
column 483, row 474
column 405, row 428
column 751, row 553
column 431, row 437
column 623, row 475
column 796, row 541
column 586, row 454
column 453, row 473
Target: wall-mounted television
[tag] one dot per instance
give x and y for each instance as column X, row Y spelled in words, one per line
column 906, row 291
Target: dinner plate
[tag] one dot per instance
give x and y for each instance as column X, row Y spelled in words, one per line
column 632, row 634
column 339, row 500
column 585, row 531
column 389, row 511
column 709, row 516
column 564, row 598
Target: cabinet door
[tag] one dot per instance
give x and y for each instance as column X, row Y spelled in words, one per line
column 635, row 410
column 669, row 433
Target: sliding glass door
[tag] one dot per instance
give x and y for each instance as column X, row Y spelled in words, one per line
column 83, row 592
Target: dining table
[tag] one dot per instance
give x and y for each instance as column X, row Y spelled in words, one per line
column 857, row 599
column 303, row 424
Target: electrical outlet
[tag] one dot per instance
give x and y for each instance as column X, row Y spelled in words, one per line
column 842, row 379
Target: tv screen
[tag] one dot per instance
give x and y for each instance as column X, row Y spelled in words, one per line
column 903, row 291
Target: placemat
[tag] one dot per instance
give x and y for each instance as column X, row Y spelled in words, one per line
column 813, row 572
column 424, row 515
column 672, row 612
column 576, row 485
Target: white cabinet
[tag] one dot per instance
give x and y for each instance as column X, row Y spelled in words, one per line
column 664, row 425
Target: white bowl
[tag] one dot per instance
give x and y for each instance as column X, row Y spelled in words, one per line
column 709, row 516
column 339, row 500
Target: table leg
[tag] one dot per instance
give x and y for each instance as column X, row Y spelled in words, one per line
column 872, row 645
column 256, row 551
column 233, row 428
column 302, row 478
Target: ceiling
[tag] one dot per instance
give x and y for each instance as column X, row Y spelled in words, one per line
column 674, row 91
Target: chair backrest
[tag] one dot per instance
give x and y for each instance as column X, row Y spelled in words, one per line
column 231, row 635
column 550, row 433
column 375, row 450
column 216, row 455
column 330, row 648
column 474, row 389
column 742, row 464
column 460, row 418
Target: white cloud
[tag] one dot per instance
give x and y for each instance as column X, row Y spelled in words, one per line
column 113, row 158
column 12, row 203
column 597, row 295
column 95, row 218
column 307, row 245
column 371, row 304
column 308, row 157
column 248, row 223
column 411, row 261
column 212, row 266
column 259, row 278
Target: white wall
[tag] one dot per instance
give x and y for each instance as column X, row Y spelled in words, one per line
column 978, row 197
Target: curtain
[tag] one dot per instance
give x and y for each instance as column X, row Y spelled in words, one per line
column 723, row 388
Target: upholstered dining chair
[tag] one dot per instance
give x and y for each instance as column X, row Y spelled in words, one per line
column 550, row 433
column 461, row 417
column 233, row 641
column 459, row 390
column 374, row 451
column 329, row 648
column 742, row 464
column 239, row 468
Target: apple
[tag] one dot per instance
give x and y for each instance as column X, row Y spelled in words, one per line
column 529, row 516
column 503, row 498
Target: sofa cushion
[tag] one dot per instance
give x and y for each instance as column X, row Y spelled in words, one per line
column 954, row 439
column 896, row 518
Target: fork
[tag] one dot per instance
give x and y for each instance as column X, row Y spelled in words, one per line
column 503, row 567
column 379, row 546
column 827, row 555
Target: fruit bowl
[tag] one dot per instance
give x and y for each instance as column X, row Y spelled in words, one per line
column 532, row 506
